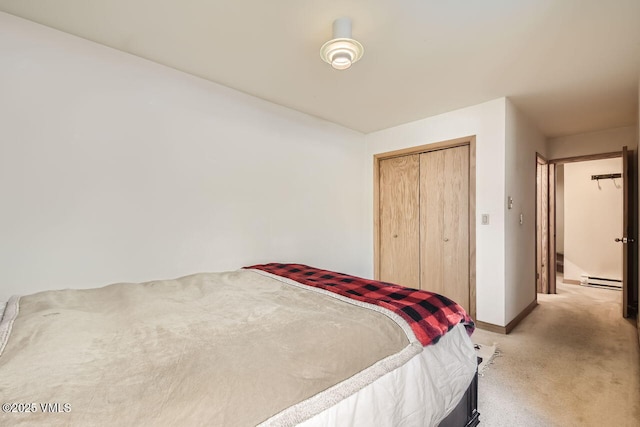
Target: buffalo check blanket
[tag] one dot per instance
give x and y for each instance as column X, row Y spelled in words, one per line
column 430, row 315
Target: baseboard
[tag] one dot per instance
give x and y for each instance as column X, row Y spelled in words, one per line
column 491, row 327
column 506, row 329
column 571, row 281
column 524, row 313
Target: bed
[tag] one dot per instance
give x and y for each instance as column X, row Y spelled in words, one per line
column 269, row 345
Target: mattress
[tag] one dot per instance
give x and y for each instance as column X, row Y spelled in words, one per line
column 197, row 351
column 420, row 393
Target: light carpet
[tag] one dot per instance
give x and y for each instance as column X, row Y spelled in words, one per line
column 574, row 361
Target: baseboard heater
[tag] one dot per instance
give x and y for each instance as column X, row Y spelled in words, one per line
column 600, row 282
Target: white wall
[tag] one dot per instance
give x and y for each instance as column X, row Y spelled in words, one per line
column 487, row 122
column 593, row 219
column 522, row 141
column 603, row 141
column 114, row 168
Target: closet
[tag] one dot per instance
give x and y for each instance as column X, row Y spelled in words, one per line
column 423, row 220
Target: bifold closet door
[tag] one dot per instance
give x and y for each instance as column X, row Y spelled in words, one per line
column 444, row 217
column 399, row 192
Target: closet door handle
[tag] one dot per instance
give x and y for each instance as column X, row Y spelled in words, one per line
column 446, row 239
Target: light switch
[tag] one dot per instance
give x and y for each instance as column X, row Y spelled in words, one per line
column 485, row 219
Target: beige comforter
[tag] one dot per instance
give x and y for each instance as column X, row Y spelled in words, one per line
column 223, row 349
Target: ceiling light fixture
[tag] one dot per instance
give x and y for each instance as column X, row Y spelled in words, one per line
column 342, row 50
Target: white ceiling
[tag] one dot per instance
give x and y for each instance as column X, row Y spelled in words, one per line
column 570, row 65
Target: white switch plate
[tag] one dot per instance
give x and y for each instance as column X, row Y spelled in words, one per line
column 485, row 219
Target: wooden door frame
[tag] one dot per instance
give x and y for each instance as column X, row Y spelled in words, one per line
column 626, row 232
column 469, row 141
column 628, row 210
column 551, row 227
column 542, row 164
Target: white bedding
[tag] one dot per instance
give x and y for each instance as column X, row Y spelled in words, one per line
column 420, row 393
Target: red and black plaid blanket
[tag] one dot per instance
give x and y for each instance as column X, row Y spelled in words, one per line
column 430, row 315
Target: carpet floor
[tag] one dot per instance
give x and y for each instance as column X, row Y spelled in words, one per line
column 574, row 361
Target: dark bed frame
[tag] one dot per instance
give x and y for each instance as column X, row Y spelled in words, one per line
column 466, row 412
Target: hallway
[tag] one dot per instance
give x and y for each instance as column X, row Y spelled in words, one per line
column 574, row 361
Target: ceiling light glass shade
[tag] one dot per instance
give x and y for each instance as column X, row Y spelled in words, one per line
column 341, row 53
column 342, row 50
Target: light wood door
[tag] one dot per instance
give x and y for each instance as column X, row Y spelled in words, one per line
column 399, row 192
column 444, row 219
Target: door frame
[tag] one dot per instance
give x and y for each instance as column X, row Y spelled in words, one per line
column 442, row 145
column 628, row 282
column 543, row 180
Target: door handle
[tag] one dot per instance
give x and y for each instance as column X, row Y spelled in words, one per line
column 625, row 240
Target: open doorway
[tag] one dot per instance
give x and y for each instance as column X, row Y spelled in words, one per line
column 582, row 223
column 589, row 215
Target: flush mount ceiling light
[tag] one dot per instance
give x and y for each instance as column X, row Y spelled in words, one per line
column 342, row 50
